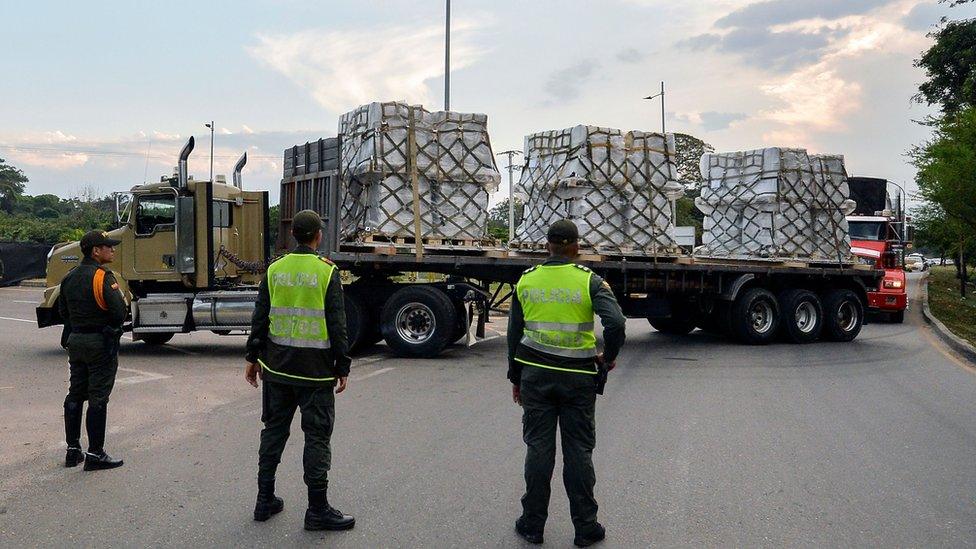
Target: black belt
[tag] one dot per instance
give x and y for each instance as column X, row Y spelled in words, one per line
column 86, row 330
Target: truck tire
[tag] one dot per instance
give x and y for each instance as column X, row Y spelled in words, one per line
column 802, row 316
column 354, row 320
column 843, row 315
column 897, row 318
column 672, row 325
column 156, row 338
column 715, row 322
column 754, row 318
column 419, row 321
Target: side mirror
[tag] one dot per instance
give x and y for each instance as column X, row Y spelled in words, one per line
column 123, row 206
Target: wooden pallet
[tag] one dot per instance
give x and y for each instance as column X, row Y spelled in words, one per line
column 428, row 241
column 382, row 248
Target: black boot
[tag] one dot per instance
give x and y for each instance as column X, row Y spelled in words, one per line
column 72, row 434
column 529, row 535
column 268, row 504
column 96, row 458
column 594, row 535
column 321, row 516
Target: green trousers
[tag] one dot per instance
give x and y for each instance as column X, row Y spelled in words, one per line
column 569, row 400
column 317, row 405
column 92, row 370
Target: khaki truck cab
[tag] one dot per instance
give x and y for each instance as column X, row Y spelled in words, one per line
column 191, row 255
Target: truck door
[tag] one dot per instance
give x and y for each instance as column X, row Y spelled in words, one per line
column 155, row 234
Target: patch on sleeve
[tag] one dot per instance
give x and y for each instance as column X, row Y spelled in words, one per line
column 327, row 260
column 115, row 286
column 606, row 285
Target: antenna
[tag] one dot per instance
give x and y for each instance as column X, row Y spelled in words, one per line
column 145, row 173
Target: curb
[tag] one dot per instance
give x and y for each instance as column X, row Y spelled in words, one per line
column 33, row 283
column 957, row 343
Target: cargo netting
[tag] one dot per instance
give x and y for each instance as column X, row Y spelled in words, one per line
column 619, row 188
column 775, row 203
column 455, row 172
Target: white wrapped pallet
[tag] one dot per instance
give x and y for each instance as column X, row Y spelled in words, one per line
column 774, row 203
column 616, row 187
column 455, row 172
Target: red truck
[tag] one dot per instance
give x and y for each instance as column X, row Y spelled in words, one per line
column 879, row 236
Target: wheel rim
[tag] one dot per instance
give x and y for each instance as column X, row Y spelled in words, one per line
column 847, row 316
column 806, row 317
column 761, row 316
column 415, row 323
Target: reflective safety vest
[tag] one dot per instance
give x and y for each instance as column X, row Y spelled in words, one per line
column 558, row 314
column 297, row 284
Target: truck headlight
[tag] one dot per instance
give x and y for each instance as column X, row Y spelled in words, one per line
column 891, row 284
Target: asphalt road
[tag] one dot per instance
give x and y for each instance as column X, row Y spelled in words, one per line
column 700, row 442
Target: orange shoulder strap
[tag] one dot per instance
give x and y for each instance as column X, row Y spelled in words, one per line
column 98, row 286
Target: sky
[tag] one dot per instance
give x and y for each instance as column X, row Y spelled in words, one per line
column 102, row 95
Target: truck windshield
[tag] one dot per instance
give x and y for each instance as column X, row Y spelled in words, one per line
column 867, row 230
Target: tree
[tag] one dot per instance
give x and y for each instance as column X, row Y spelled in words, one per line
column 687, row 157
column 950, row 68
column 498, row 218
column 11, row 186
column 946, row 181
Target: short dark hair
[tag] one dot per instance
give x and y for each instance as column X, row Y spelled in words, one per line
column 303, row 237
column 557, row 248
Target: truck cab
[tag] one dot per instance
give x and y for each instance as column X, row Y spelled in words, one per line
column 190, row 249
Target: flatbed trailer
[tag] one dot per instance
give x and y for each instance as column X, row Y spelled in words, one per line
column 754, row 301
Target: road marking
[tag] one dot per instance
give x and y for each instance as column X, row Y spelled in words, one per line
column 2, row 388
column 16, row 319
column 369, row 360
column 142, row 377
column 23, row 290
column 19, row 301
column 374, row 374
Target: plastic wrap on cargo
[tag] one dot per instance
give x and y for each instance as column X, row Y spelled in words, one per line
column 617, row 187
column 775, row 203
column 455, row 167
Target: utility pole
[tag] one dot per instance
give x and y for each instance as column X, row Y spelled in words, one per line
column 447, row 57
column 211, row 126
column 511, row 191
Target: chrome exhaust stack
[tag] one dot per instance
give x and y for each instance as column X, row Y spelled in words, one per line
column 237, row 171
column 181, row 167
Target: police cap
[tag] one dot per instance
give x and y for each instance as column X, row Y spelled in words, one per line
column 96, row 238
column 304, row 225
column 563, row 231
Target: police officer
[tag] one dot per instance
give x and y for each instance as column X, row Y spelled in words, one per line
column 556, row 371
column 93, row 311
column 298, row 347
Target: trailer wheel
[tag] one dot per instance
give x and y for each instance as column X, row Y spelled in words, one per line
column 802, row 317
column 419, row 321
column 715, row 322
column 354, row 320
column 156, row 338
column 755, row 317
column 673, row 325
column 843, row 315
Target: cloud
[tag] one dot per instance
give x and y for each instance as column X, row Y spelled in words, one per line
column 924, row 16
column 565, row 84
column 778, row 12
column 711, row 120
column 342, row 69
column 815, row 97
column 630, row 56
column 779, row 51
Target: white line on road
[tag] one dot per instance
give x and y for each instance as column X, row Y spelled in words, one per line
column 22, row 290
column 16, row 319
column 142, row 377
column 2, row 388
column 20, row 301
column 374, row 374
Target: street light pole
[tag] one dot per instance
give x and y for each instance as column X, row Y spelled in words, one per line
column 211, row 126
column 447, row 57
column 661, row 95
column 511, row 191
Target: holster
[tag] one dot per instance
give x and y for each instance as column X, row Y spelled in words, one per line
column 602, row 373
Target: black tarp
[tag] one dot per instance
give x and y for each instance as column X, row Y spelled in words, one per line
column 22, row 261
column 870, row 193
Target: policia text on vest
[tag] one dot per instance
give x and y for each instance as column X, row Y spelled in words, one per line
column 298, row 346
column 556, row 372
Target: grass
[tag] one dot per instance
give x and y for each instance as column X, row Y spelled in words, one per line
column 958, row 314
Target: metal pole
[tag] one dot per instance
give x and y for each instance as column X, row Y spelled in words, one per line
column 511, row 192
column 211, row 149
column 663, row 130
column 447, row 58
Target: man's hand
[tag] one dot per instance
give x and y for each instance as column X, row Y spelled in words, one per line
column 516, row 394
column 251, row 373
column 602, row 362
column 341, row 386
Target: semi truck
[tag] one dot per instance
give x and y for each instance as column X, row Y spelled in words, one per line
column 880, row 233
column 193, row 253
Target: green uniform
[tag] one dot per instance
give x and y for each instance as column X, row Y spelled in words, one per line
column 298, row 336
column 93, row 311
column 552, row 347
